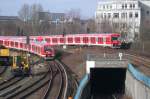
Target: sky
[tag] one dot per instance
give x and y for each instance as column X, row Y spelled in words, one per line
column 87, row 7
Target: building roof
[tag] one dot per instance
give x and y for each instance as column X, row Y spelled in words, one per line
column 9, row 18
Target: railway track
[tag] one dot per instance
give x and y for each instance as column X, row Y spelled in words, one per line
column 33, row 85
column 55, row 81
column 56, row 84
column 22, row 88
column 73, row 83
column 10, row 84
column 3, row 69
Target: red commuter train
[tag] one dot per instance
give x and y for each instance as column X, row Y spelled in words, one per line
column 111, row 40
column 43, row 49
column 43, row 45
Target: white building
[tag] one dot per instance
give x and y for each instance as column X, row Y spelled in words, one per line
column 125, row 16
column 145, row 14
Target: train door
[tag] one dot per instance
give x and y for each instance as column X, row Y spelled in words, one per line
column 77, row 40
column 93, row 40
column 108, row 40
column 104, row 41
column 70, row 40
column 48, row 40
column 100, row 40
column 85, row 40
column 62, row 40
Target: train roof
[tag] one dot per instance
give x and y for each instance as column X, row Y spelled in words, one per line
column 68, row 35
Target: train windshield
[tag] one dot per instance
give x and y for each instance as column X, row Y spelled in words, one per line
column 47, row 48
column 114, row 38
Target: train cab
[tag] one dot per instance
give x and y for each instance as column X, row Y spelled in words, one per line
column 115, row 39
column 48, row 51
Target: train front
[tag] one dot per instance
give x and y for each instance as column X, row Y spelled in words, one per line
column 115, row 39
column 49, row 52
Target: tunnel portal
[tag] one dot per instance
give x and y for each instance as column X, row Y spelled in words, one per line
column 107, row 80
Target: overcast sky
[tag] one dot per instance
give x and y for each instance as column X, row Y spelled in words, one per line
column 87, row 7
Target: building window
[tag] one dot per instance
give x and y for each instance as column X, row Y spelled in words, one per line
column 124, row 25
column 136, row 15
column 122, row 15
column 115, row 25
column 107, row 7
column 104, row 15
column 125, row 5
column 131, row 6
column 116, row 15
column 147, row 12
column 130, row 15
column 110, row 7
column 103, row 6
column 122, row 6
column 109, row 15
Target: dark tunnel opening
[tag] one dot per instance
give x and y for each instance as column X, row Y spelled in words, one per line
column 107, row 80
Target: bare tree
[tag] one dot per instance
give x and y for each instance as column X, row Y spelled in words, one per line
column 30, row 16
column 73, row 25
column 91, row 26
column 74, row 13
column 24, row 13
column 145, row 30
column 105, row 26
column 35, row 9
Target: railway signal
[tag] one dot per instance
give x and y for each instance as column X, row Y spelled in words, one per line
column 120, row 56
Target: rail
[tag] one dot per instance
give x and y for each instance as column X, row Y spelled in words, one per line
column 138, row 75
column 66, row 79
column 82, row 85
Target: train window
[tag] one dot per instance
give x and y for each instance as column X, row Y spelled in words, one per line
column 46, row 48
column 39, row 50
column 70, row 40
column 33, row 48
column 93, row 40
column 12, row 44
column 25, row 46
column 108, row 39
column 54, row 40
column 100, row 40
column 62, row 40
column 47, row 40
column 21, row 45
column 85, row 39
column 77, row 39
column 29, row 47
column 104, row 39
column 5, row 42
column 1, row 42
column 16, row 44
column 114, row 38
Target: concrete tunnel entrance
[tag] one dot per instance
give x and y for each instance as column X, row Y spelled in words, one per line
column 107, row 80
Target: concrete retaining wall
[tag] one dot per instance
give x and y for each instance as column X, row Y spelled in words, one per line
column 135, row 87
